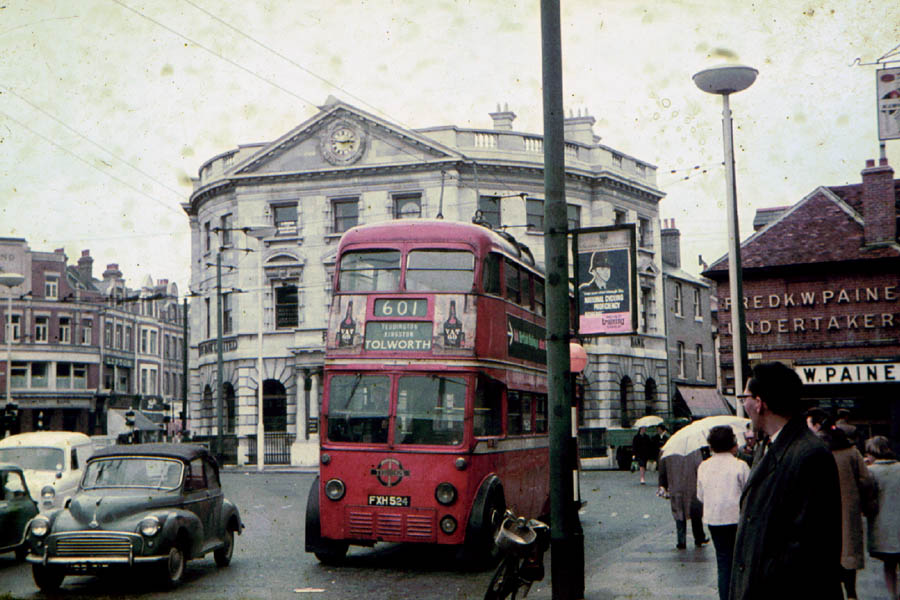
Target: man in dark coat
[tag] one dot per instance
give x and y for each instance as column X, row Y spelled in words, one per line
column 789, row 536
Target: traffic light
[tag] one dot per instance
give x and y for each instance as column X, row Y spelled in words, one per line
column 129, row 418
column 8, row 417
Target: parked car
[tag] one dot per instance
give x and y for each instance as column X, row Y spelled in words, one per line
column 53, row 462
column 16, row 509
column 158, row 505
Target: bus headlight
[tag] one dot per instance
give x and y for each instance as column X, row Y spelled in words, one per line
column 335, row 489
column 460, row 462
column 448, row 524
column 40, row 526
column 445, row 493
column 150, row 525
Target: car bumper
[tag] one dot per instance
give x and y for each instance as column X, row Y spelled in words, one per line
column 81, row 550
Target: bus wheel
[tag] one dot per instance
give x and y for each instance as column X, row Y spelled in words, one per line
column 334, row 554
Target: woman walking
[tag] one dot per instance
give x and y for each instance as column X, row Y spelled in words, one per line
column 720, row 480
column 855, row 482
column 884, row 528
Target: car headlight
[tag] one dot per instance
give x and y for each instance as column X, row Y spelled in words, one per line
column 149, row 526
column 335, row 489
column 40, row 526
column 445, row 493
column 48, row 493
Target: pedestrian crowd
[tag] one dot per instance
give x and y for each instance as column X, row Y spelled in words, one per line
column 785, row 499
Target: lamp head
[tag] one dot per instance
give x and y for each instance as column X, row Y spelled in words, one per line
column 725, row 79
column 11, row 280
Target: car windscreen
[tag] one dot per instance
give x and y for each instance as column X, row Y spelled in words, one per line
column 358, row 409
column 34, row 457
column 119, row 472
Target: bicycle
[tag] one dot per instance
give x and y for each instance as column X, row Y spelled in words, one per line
column 523, row 544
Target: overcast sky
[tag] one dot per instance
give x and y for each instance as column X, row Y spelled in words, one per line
column 109, row 107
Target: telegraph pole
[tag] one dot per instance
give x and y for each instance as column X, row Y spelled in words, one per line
column 566, row 536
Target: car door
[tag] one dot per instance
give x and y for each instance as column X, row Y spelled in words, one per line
column 196, row 500
column 16, row 507
column 216, row 498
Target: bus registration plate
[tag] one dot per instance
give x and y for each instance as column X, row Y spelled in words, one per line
column 383, row 500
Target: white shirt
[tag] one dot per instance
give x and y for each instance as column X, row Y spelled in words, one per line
column 720, row 481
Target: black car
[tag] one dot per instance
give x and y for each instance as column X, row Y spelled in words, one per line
column 153, row 505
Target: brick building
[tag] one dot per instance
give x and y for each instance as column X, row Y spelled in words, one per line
column 822, row 293
column 690, row 337
column 84, row 350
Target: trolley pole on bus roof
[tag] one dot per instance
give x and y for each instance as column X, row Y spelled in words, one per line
column 566, row 536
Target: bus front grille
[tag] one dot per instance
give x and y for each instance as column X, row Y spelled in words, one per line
column 408, row 525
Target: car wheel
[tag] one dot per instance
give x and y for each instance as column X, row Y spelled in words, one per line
column 48, row 579
column 173, row 567
column 334, row 554
column 223, row 554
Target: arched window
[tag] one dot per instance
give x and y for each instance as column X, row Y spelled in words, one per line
column 650, row 396
column 206, row 409
column 230, row 408
column 626, row 389
column 274, row 406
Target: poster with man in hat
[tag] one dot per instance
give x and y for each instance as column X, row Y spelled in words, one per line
column 605, row 280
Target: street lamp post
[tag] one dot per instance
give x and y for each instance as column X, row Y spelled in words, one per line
column 724, row 81
column 260, row 233
column 10, row 280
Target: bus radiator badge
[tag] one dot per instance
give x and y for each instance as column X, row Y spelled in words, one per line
column 389, row 472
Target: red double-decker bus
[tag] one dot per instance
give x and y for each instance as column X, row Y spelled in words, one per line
column 434, row 416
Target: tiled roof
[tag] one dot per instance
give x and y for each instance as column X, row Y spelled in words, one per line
column 821, row 228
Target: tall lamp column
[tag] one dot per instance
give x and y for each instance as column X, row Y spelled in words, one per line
column 10, row 280
column 724, row 81
column 260, row 233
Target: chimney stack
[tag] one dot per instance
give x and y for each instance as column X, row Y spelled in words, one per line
column 112, row 272
column 503, row 119
column 879, row 203
column 579, row 128
column 86, row 266
column 671, row 244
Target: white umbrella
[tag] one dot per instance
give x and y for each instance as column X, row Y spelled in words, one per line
column 649, row 420
column 693, row 436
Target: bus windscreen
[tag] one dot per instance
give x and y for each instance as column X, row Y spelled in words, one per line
column 430, row 410
column 358, row 409
column 370, row 271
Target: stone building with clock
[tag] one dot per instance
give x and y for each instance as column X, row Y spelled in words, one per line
column 266, row 218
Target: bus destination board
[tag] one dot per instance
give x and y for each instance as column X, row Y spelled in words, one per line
column 413, row 336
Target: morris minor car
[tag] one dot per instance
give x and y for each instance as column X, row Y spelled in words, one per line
column 147, row 505
column 53, row 463
column 16, row 509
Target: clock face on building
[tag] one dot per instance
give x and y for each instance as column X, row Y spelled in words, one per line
column 343, row 142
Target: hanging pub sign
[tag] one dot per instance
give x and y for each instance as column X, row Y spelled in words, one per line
column 888, row 92
column 605, row 279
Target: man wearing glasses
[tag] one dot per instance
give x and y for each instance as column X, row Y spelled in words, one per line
column 789, row 535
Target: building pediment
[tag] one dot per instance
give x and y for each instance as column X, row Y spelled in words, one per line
column 338, row 137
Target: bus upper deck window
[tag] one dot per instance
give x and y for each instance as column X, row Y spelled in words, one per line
column 370, row 271
column 440, row 271
column 491, row 274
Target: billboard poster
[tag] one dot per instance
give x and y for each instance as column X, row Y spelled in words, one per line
column 605, row 279
column 888, row 92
